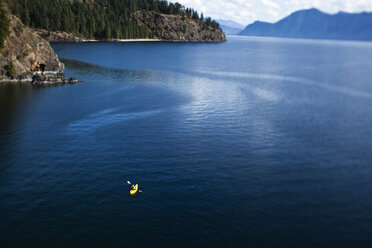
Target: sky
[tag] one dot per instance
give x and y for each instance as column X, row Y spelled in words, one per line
column 248, row 11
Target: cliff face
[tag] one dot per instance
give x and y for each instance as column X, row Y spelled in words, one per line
column 58, row 36
column 28, row 57
column 177, row 28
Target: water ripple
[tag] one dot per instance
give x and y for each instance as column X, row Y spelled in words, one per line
column 264, row 76
column 105, row 118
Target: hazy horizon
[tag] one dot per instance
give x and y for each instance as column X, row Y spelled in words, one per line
column 245, row 12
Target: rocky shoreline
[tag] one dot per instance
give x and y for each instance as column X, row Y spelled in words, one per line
column 38, row 78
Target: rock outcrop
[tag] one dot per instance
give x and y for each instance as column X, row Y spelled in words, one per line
column 58, row 36
column 177, row 28
column 27, row 57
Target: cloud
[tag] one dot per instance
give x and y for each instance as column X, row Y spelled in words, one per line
column 248, row 11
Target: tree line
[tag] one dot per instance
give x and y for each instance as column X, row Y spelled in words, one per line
column 97, row 19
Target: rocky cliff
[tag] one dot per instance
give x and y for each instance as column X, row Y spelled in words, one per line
column 29, row 58
column 178, row 28
column 58, row 36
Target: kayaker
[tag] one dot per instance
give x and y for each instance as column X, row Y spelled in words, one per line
column 133, row 187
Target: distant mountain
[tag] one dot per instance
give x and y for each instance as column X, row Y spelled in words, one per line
column 230, row 27
column 313, row 23
column 229, row 30
column 230, row 24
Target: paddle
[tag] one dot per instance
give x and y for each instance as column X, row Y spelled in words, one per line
column 128, row 182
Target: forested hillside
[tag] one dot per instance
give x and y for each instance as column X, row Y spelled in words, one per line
column 98, row 19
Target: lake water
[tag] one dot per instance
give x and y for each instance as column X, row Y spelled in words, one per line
column 257, row 142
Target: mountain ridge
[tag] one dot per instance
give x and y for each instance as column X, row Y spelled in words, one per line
column 313, row 23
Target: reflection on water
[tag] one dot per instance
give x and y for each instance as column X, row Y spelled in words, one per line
column 110, row 74
column 327, row 86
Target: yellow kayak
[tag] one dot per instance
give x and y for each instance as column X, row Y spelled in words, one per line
column 133, row 191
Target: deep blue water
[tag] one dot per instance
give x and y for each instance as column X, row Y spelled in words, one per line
column 250, row 143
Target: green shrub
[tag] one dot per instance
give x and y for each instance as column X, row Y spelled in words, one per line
column 10, row 69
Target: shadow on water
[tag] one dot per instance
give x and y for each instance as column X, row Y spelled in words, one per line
column 12, row 98
column 105, row 73
column 15, row 98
